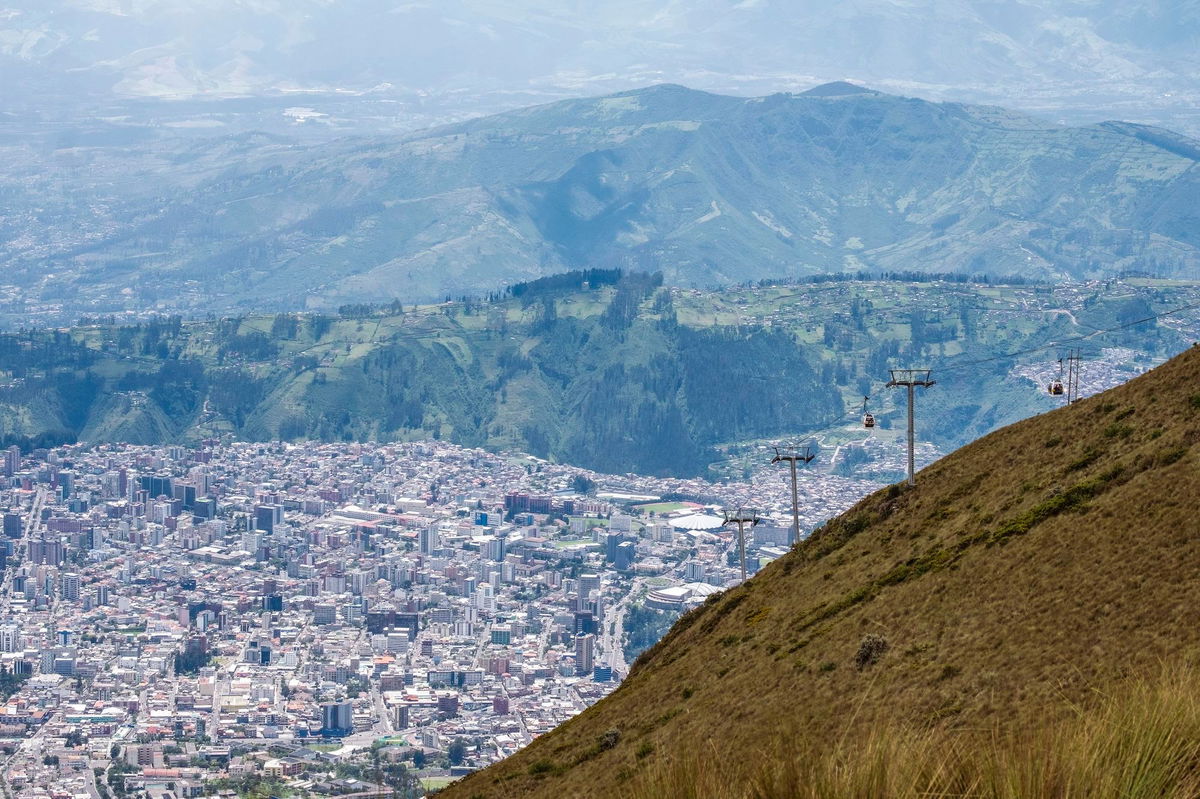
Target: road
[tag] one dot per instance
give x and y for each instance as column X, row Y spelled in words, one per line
column 21, row 552
column 611, row 643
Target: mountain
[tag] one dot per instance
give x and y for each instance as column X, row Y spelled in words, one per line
column 600, row 369
column 707, row 189
column 1016, row 583
column 404, row 60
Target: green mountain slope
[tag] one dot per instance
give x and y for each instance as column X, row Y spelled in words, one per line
column 618, row 377
column 708, row 189
column 1019, row 577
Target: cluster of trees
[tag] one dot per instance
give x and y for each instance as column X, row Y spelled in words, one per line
column 566, row 281
column 644, row 627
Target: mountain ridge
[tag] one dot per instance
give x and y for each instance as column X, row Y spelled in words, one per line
column 707, row 189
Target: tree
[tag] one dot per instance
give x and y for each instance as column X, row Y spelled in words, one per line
column 418, row 759
column 457, row 752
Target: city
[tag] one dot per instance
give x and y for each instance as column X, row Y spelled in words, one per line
column 202, row 620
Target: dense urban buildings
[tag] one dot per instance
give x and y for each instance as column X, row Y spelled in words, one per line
column 221, row 612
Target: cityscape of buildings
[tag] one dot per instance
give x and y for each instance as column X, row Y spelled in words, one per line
column 176, row 619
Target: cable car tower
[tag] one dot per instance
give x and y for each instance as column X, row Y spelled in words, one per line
column 910, row 379
column 1073, row 365
column 792, row 455
column 741, row 517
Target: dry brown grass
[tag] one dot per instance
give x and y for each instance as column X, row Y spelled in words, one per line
column 1052, row 556
column 1142, row 743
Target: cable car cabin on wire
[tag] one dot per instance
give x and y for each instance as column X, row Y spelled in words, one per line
column 868, row 419
column 1056, row 388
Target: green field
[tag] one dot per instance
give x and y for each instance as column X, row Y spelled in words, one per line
column 437, row 783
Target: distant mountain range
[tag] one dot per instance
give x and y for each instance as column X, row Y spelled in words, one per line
column 418, row 60
column 707, row 189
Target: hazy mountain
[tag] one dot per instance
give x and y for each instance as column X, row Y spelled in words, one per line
column 707, row 189
column 412, row 61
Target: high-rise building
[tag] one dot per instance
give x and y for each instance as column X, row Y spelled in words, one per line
column 267, row 517
column 157, row 486
column 12, row 460
column 448, row 703
column 589, row 584
column 70, row 587
column 485, row 598
column 205, row 508
column 10, row 638
column 626, row 555
column 585, row 624
column 430, row 540
column 47, row 551
column 493, row 549
column 585, row 646
column 611, row 543
column 66, row 483
column 337, row 719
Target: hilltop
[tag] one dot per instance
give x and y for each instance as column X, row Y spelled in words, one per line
column 710, row 190
column 1021, row 576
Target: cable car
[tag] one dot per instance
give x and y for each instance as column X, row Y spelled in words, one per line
column 1056, row 388
column 868, row 419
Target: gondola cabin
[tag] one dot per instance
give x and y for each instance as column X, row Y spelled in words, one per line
column 1056, row 388
column 868, row 420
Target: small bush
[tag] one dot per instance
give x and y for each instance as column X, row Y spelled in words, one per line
column 870, row 650
column 609, row 739
column 645, row 750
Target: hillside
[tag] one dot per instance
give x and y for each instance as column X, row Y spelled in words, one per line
column 710, row 190
column 1020, row 577
column 624, row 376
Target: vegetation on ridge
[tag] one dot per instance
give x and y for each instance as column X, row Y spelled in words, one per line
column 624, row 375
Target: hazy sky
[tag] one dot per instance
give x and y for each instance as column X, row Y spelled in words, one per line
column 1104, row 57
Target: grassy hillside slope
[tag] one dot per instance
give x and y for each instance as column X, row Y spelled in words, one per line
column 1022, row 572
